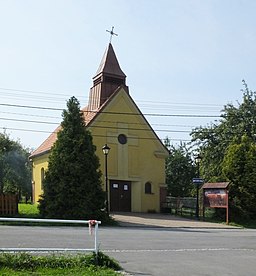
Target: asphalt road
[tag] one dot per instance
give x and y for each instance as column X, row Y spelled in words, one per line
column 152, row 251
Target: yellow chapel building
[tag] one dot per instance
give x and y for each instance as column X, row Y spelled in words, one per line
column 136, row 160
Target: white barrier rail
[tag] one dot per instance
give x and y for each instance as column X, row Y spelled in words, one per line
column 91, row 223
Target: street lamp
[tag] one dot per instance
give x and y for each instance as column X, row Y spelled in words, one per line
column 106, row 150
column 198, row 159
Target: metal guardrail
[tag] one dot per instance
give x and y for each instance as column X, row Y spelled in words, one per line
column 91, row 223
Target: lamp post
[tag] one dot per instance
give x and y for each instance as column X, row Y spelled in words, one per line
column 106, row 150
column 198, row 159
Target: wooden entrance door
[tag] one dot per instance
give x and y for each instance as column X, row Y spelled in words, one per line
column 120, row 196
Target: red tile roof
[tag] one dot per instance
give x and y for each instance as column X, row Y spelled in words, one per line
column 46, row 146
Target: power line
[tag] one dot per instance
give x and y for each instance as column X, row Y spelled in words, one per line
column 138, row 100
column 27, row 130
column 152, row 105
column 33, row 107
column 104, row 136
column 39, row 92
column 184, row 103
column 95, row 135
column 105, row 127
column 28, row 121
column 103, row 121
column 98, row 126
column 118, row 113
column 44, row 108
column 143, row 129
column 30, row 115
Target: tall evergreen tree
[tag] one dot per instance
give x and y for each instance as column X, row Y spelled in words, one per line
column 72, row 184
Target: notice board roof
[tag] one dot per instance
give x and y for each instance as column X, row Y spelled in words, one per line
column 215, row 185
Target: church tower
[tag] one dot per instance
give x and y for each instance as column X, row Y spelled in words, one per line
column 107, row 79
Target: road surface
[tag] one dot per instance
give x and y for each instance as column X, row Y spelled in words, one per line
column 152, row 251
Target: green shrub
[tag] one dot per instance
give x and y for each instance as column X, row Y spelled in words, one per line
column 24, row 261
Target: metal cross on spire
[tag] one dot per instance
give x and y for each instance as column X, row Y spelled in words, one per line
column 111, row 34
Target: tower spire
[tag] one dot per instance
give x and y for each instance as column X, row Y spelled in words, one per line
column 107, row 79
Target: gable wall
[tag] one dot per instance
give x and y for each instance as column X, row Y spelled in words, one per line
column 134, row 161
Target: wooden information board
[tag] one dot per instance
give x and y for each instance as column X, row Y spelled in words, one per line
column 216, row 196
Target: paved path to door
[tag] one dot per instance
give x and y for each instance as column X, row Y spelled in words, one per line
column 163, row 220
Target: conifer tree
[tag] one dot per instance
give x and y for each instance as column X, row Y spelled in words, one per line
column 72, row 184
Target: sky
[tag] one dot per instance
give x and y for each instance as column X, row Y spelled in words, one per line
column 182, row 58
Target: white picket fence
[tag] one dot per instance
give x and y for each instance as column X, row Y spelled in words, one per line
column 90, row 223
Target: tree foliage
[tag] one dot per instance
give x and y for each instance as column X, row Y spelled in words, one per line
column 72, row 185
column 239, row 167
column 180, row 170
column 15, row 170
column 227, row 146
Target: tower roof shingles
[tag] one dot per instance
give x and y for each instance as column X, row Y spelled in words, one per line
column 109, row 64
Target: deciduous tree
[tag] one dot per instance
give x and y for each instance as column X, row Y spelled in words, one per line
column 239, row 167
column 227, row 148
column 179, row 171
column 15, row 170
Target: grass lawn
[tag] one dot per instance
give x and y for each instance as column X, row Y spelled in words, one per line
column 28, row 210
column 89, row 271
column 31, row 211
column 25, row 264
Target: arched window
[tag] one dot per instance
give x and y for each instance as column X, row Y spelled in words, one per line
column 148, row 188
column 42, row 178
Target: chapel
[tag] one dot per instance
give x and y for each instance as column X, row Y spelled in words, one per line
column 136, row 159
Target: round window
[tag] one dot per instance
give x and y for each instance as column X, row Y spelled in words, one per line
column 122, row 139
